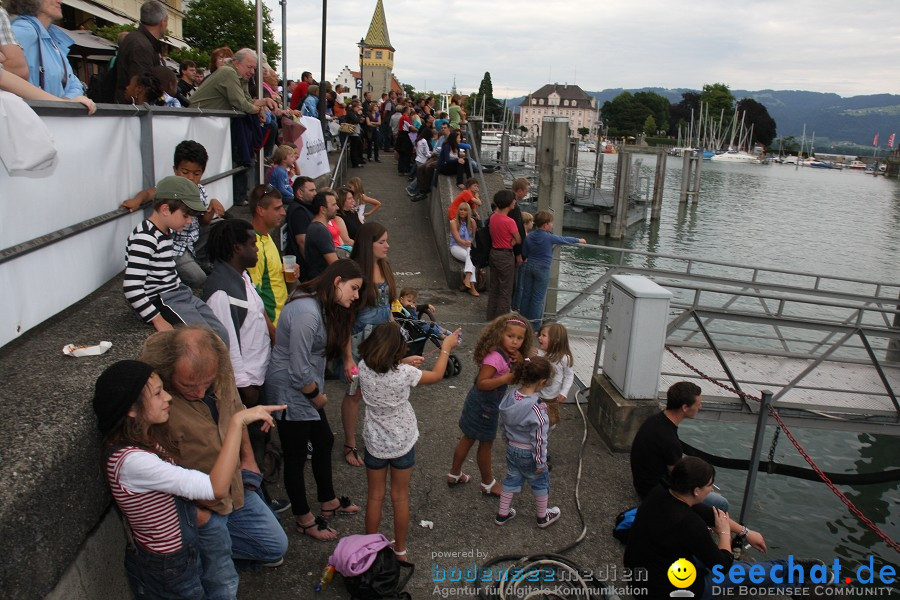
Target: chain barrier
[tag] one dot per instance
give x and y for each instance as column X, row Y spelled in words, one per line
column 843, row 498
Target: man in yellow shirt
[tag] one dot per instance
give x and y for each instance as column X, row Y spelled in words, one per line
column 267, row 212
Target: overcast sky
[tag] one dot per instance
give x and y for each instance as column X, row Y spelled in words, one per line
column 848, row 48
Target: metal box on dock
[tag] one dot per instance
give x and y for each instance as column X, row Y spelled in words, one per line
column 637, row 316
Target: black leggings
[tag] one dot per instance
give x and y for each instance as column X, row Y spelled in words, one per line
column 294, row 436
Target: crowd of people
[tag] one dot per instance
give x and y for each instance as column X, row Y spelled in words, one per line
column 237, row 354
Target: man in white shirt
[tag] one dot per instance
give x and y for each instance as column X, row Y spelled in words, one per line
column 233, row 298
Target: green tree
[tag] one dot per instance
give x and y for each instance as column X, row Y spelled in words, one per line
column 111, row 32
column 755, row 114
column 625, row 114
column 659, row 106
column 649, row 126
column 209, row 24
column 523, row 129
column 680, row 114
column 583, row 132
column 718, row 98
column 787, row 145
column 485, row 97
column 408, row 90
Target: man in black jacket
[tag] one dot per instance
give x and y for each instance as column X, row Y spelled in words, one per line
column 140, row 50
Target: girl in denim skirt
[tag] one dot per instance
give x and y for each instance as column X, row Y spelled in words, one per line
column 502, row 343
column 525, row 429
column 390, row 429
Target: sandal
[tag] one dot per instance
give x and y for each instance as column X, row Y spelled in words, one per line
column 344, row 507
column 457, row 479
column 401, row 554
column 320, row 524
column 486, row 489
column 357, row 461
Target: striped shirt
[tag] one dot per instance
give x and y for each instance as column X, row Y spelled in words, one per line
column 186, row 238
column 149, row 268
column 7, row 38
column 143, row 485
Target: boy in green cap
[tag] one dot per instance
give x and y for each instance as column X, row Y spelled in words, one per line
column 151, row 283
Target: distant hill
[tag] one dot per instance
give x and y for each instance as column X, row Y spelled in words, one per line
column 837, row 121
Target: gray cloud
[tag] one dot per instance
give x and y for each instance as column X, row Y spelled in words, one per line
column 823, row 45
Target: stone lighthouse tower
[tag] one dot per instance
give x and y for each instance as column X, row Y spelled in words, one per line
column 377, row 56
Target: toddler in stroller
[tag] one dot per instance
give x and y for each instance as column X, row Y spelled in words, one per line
column 417, row 331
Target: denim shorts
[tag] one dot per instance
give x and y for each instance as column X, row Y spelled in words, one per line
column 407, row 461
column 520, row 467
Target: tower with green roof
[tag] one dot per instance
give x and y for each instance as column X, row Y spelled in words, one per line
column 378, row 56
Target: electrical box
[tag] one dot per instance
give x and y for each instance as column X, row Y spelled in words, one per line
column 636, row 321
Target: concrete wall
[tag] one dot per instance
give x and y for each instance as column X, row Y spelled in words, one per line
column 439, row 204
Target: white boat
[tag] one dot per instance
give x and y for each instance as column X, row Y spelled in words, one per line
column 789, row 160
column 857, row 165
column 491, row 133
column 733, row 156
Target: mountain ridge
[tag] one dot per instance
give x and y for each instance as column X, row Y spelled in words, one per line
column 837, row 120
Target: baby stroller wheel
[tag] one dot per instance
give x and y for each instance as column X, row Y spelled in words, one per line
column 453, row 367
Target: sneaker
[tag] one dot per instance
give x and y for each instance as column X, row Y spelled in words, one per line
column 273, row 564
column 309, row 450
column 279, row 506
column 419, row 197
column 550, row 518
column 504, row 519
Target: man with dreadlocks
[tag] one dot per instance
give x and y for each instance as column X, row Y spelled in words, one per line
column 233, row 298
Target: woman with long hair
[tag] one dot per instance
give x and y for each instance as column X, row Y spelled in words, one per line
column 154, row 495
column 315, row 326
column 453, row 160
column 370, row 251
column 462, row 231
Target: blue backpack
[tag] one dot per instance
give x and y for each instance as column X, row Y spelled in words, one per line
column 624, row 521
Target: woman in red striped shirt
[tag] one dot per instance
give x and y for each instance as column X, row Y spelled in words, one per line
column 153, row 494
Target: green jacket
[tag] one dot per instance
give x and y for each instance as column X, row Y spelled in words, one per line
column 223, row 90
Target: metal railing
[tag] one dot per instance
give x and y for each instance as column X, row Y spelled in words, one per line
column 724, row 308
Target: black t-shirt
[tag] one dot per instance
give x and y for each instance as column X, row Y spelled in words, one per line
column 656, row 446
column 666, row 529
column 298, row 219
column 318, row 244
column 351, row 220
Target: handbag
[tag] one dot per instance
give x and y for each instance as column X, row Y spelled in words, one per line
column 348, row 128
column 384, row 580
column 27, row 145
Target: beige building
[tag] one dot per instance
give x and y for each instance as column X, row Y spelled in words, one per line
column 377, row 55
column 77, row 14
column 554, row 100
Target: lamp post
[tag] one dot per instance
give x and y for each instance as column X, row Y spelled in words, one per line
column 362, row 51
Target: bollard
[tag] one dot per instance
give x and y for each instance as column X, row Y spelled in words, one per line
column 552, row 186
column 659, row 183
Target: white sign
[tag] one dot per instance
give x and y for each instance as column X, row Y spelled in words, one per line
column 313, row 155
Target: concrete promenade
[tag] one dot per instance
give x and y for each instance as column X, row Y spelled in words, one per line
column 463, row 519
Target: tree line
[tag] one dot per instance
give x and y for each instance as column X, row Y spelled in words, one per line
column 652, row 114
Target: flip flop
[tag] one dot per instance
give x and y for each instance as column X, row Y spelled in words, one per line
column 345, row 507
column 321, row 525
column 355, row 452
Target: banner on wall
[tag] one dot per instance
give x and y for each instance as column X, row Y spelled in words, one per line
column 307, row 134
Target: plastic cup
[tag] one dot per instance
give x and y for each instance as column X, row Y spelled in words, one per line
column 290, row 264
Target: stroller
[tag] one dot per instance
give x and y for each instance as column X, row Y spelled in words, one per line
column 417, row 332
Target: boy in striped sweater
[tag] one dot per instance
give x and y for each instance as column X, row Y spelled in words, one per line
column 151, row 283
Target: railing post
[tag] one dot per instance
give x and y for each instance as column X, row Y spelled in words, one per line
column 147, row 168
column 753, row 470
column 685, row 177
column 659, row 182
column 552, row 187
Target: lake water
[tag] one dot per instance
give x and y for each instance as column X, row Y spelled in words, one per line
column 841, row 223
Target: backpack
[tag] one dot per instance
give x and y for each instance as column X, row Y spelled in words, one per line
column 480, row 251
column 384, row 580
column 102, row 88
column 624, row 521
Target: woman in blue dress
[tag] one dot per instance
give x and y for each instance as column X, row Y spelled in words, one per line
column 370, row 251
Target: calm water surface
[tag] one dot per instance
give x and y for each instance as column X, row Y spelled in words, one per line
column 840, row 223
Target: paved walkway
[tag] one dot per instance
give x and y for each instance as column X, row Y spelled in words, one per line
column 463, row 519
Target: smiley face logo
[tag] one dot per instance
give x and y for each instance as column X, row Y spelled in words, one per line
column 682, row 573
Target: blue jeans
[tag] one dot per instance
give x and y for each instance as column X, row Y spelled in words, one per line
column 534, row 278
column 173, row 575
column 520, row 467
column 766, row 583
column 220, row 578
column 255, row 532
